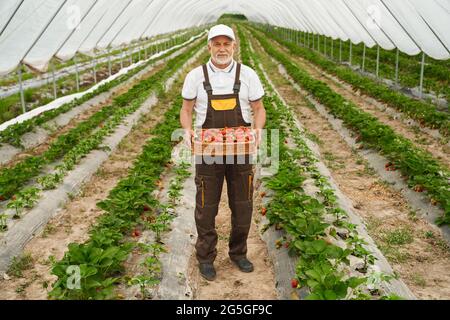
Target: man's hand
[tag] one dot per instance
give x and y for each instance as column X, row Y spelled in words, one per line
column 259, row 119
column 186, row 121
column 188, row 137
column 258, row 136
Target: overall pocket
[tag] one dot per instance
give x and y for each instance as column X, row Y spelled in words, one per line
column 250, row 186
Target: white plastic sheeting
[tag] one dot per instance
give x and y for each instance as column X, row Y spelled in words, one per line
column 69, row 98
column 59, row 29
column 32, row 32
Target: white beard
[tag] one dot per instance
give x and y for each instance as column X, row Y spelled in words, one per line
column 223, row 61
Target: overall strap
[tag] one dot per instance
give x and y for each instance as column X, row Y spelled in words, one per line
column 237, row 81
column 206, row 83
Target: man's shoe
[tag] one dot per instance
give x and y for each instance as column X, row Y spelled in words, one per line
column 244, row 265
column 207, row 271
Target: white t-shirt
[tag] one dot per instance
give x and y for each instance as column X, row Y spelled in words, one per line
column 222, row 82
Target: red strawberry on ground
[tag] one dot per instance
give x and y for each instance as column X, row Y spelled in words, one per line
column 294, row 283
column 136, row 233
column 263, row 211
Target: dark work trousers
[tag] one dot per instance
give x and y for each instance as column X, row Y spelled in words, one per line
column 209, row 180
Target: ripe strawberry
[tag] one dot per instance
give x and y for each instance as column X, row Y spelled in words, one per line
column 263, row 194
column 2, row 198
column 294, row 283
column 286, row 245
column 146, row 208
column 263, row 211
column 136, row 233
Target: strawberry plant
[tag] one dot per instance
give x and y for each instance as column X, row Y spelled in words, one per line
column 50, row 181
column 24, row 199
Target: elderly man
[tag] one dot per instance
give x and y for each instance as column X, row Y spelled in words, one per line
column 223, row 93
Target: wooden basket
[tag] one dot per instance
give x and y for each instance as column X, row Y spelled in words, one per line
column 224, row 148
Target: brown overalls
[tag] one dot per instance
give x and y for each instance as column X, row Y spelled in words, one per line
column 223, row 111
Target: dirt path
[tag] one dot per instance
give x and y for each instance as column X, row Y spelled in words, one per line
column 231, row 283
column 419, row 137
column 413, row 246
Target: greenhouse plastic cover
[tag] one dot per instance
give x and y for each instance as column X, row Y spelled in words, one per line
column 34, row 31
column 69, row 98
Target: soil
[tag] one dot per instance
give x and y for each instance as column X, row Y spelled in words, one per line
column 231, row 283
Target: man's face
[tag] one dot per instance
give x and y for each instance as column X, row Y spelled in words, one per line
column 221, row 49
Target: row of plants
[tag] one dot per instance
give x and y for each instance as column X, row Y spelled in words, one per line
column 13, row 133
column 436, row 77
column 421, row 171
column 425, row 113
column 78, row 143
column 129, row 208
column 318, row 231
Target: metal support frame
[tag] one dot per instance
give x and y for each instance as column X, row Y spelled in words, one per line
column 351, row 53
column 77, row 75
column 332, row 48
column 55, row 95
column 22, row 95
column 131, row 55
column 109, row 63
column 94, row 65
column 422, row 70
column 121, row 60
column 378, row 61
column 396, row 67
column 364, row 58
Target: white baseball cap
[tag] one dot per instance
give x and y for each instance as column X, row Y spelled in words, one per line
column 221, row 30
